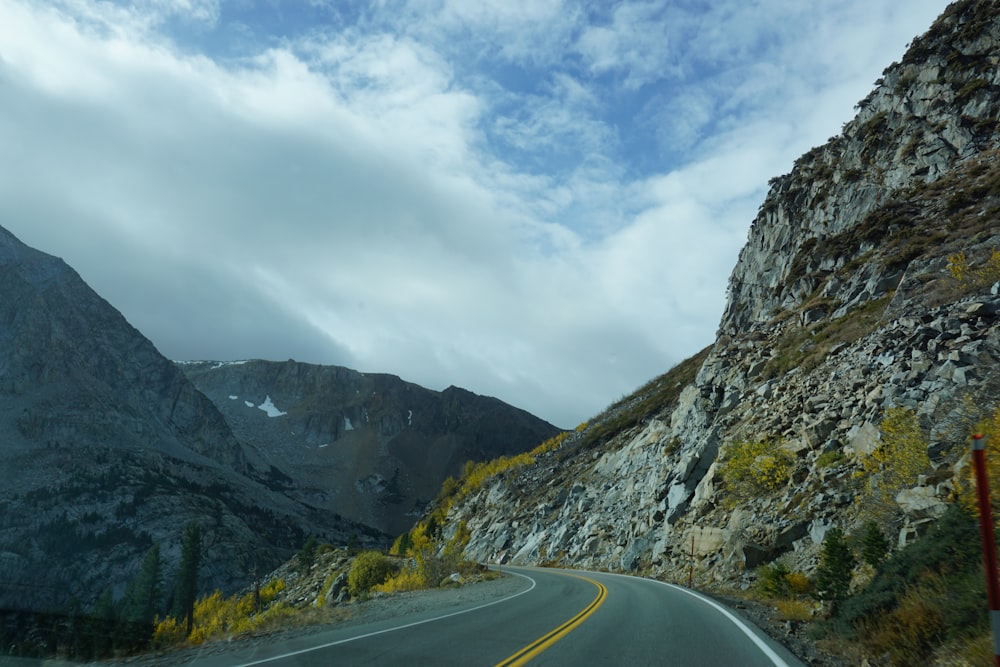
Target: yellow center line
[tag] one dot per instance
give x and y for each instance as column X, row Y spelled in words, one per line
column 532, row 650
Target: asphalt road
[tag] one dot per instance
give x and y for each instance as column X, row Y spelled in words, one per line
column 558, row 618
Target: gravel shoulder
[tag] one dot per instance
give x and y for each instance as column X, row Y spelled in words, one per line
column 792, row 635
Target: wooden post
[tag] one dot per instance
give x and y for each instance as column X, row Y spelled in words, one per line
column 691, row 564
column 989, row 540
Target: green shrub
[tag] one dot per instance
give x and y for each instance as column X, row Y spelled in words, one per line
column 368, row 570
column 951, row 549
column 772, row 580
column 909, row 632
column 830, row 458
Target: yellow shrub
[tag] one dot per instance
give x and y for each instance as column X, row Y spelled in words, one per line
column 369, row 569
column 897, row 462
column 756, row 466
column 798, row 583
column 168, row 632
column 212, row 615
column 958, row 267
column 408, row 579
column 270, row 590
column 972, row 278
column 215, row 616
column 989, row 428
column 793, row 610
column 245, row 606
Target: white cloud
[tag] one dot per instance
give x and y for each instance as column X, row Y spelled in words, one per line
column 444, row 190
column 521, row 31
column 637, row 44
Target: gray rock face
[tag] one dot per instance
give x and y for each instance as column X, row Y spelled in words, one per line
column 106, row 448
column 933, row 110
column 68, row 356
column 841, row 306
column 368, row 446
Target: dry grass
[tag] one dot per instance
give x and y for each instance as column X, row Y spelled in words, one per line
column 794, row 609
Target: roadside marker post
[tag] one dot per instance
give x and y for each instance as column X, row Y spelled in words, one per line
column 989, row 540
column 691, row 564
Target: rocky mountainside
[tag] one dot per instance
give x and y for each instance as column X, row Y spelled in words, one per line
column 106, row 448
column 868, row 282
column 368, row 446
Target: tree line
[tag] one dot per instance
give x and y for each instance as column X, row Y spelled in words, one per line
column 111, row 627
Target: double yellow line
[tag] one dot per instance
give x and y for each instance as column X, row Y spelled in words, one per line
column 532, row 650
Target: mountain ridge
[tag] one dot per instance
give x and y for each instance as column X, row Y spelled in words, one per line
column 371, row 446
column 110, row 448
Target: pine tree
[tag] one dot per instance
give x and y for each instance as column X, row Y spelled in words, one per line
column 874, row 545
column 144, row 593
column 833, row 576
column 307, row 556
column 102, row 626
column 187, row 577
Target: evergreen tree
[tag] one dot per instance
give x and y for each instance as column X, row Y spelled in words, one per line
column 187, row 576
column 874, row 545
column 104, row 608
column 101, row 627
column 144, row 592
column 307, row 556
column 833, row 576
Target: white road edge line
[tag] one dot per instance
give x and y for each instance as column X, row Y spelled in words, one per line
column 754, row 637
column 400, row 627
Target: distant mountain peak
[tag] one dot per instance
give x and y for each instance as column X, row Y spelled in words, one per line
column 369, row 445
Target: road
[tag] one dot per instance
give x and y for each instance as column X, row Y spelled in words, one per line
column 559, row 618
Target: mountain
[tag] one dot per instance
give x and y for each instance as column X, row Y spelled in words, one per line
column 368, row 446
column 867, row 292
column 106, row 447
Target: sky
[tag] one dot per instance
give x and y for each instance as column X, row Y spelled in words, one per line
column 538, row 200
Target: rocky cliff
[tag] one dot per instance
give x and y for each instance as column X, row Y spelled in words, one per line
column 106, row 448
column 368, row 446
column 867, row 283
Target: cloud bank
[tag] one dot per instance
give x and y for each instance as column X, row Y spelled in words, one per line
column 539, row 200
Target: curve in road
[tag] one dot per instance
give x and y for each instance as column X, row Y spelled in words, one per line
column 631, row 621
column 542, row 643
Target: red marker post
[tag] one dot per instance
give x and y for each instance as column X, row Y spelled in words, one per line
column 989, row 541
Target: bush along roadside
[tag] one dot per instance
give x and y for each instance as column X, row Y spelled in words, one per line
column 924, row 604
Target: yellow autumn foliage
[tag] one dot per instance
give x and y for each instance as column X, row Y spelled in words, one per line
column 409, row 578
column 752, row 467
column 989, row 428
column 216, row 616
column 901, row 456
column 973, row 277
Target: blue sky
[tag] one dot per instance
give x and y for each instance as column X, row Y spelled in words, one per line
column 539, row 200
